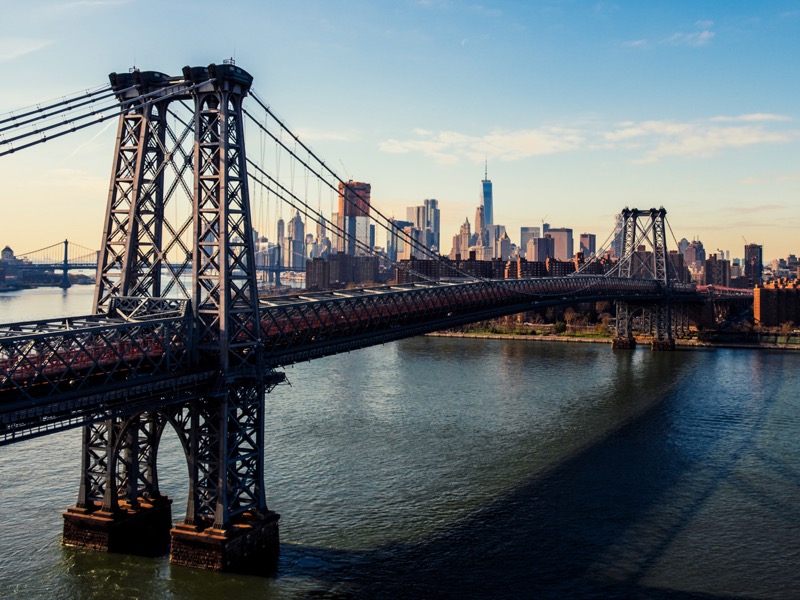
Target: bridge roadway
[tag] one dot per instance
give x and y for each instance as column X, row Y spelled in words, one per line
column 67, row 372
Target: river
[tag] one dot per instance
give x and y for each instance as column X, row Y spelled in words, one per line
column 441, row 467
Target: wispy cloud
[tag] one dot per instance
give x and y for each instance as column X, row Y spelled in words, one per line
column 751, row 118
column 318, row 135
column 695, row 39
column 661, row 139
column 65, row 7
column 12, row 48
column 448, row 147
column 754, row 209
column 691, row 39
column 648, row 141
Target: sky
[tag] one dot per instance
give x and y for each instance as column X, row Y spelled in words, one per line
column 579, row 108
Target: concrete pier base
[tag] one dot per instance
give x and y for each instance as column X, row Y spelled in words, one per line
column 622, row 343
column 143, row 530
column 249, row 546
column 663, row 345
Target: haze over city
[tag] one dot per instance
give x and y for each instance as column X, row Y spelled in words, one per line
column 580, row 108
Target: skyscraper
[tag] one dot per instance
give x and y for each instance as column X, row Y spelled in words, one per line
column 753, row 264
column 562, row 236
column 353, row 217
column 486, row 197
column 588, row 244
column 426, row 219
column 525, row 234
column 480, row 227
column 539, row 249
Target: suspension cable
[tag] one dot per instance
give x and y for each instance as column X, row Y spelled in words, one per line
column 123, row 107
column 64, row 100
column 320, row 218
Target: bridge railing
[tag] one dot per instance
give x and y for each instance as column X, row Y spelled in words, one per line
column 310, row 325
column 64, row 357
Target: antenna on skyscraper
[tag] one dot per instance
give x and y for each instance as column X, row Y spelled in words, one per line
column 486, row 169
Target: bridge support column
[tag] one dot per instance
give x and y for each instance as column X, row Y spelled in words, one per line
column 119, row 507
column 228, row 526
column 65, row 273
column 662, row 336
column 623, row 340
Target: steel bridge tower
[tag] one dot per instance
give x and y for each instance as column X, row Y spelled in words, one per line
column 207, row 258
column 644, row 256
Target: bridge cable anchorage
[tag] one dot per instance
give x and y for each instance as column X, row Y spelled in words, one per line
column 100, row 114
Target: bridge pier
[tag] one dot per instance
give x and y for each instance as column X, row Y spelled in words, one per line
column 249, row 546
column 623, row 343
column 143, row 530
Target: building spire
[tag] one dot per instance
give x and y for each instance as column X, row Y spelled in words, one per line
column 486, row 169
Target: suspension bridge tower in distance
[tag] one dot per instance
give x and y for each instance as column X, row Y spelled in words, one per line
column 219, row 419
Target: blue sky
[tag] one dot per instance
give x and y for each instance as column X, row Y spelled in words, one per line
column 580, row 108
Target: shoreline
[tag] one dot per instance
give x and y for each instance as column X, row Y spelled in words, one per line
column 640, row 342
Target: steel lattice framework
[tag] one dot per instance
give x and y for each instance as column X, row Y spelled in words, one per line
column 644, row 256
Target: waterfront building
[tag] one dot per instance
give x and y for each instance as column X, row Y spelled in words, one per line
column 777, row 302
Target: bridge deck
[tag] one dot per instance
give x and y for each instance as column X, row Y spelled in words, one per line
column 52, row 370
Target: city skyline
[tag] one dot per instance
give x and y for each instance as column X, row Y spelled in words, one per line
column 580, row 108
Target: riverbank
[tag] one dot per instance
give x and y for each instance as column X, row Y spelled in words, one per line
column 682, row 343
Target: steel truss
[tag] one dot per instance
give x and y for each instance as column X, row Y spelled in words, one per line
column 146, row 255
column 644, row 256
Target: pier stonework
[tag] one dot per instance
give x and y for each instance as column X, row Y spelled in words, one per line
column 143, row 531
column 250, row 547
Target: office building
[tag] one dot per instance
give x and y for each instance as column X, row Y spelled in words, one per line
column 525, row 234
column 588, row 244
column 540, row 249
column 753, row 264
column 564, row 245
column 486, row 198
column 353, row 218
column 426, row 219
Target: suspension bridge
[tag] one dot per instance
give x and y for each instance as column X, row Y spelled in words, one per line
column 61, row 256
column 179, row 336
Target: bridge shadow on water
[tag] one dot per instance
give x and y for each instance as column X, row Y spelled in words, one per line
column 576, row 531
column 572, row 532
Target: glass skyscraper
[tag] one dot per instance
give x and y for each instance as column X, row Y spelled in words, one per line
column 486, row 197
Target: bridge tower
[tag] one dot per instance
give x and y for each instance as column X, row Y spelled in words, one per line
column 644, row 255
column 65, row 283
column 145, row 255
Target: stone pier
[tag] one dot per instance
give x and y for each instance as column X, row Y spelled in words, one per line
column 249, row 546
column 142, row 530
